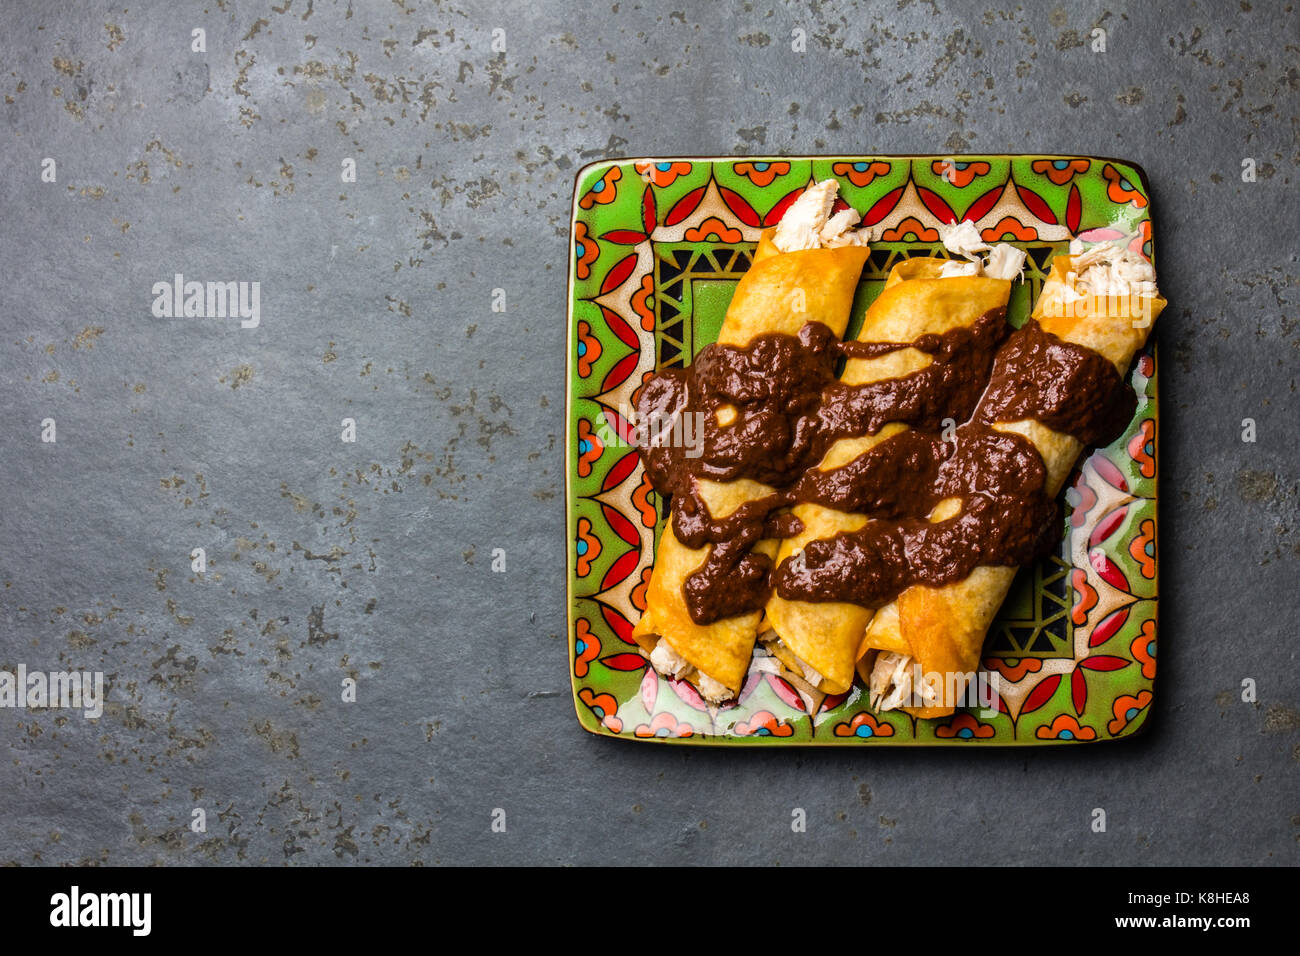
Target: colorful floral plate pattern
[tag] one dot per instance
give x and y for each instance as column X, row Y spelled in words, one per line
column 657, row 248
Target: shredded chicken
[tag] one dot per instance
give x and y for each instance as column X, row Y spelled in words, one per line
column 1004, row 261
column 808, row 223
column 1112, row 269
column 671, row 664
column 893, row 683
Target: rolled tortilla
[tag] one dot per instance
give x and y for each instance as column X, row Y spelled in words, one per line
column 820, row 641
column 805, row 270
column 1105, row 300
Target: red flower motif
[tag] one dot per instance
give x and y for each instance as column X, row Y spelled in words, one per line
column 586, row 546
column 586, row 647
column 644, row 500
column 1142, row 448
column 861, row 174
column 1143, row 548
column 588, row 349
column 865, row 726
column 603, row 192
column 913, row 227
column 590, row 447
column 604, row 706
column 1084, row 502
column 764, row 724
column 964, row 727
column 1065, row 727
column 585, row 249
column 662, row 174
column 638, row 594
column 1119, row 190
column 1126, row 709
column 1143, row 649
column 761, row 174
column 713, row 226
column 643, row 302
column 664, row 725
column 957, row 173
column 1087, row 597
column 1060, row 171
column 1013, row 670
column 1009, row 226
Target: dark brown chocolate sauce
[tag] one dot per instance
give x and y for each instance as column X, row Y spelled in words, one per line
column 789, row 409
column 1068, row 387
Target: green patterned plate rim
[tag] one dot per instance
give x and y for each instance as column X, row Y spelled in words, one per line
column 657, row 246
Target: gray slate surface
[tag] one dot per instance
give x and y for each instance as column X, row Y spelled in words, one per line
column 372, row 560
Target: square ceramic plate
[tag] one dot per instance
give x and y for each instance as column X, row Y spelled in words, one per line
column 657, row 249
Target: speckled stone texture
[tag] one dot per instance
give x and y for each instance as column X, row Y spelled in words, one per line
column 372, row 560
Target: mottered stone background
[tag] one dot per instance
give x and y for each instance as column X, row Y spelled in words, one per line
column 372, row 560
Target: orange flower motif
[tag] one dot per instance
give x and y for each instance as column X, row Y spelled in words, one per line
column 1142, row 447
column 662, row 174
column 1087, row 599
column 910, row 228
column 1014, row 670
column 604, row 192
column 604, row 706
column 1143, row 548
column 1009, row 226
column 1142, row 240
column 1065, row 727
column 643, row 302
column 1060, row 171
column 638, row 594
column 585, row 249
column 589, row 447
column 864, row 726
column 586, row 647
column 664, row 725
column 964, row 727
column 588, row 349
column 761, row 174
column 1126, row 709
column 1143, row 649
column 764, row 724
column 1119, row 190
column 587, row 547
column 636, row 394
column 644, row 500
column 959, row 174
column 861, row 174
column 713, row 226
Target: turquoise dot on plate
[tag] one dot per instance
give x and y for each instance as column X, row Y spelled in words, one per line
column 960, row 165
column 859, row 167
column 663, row 168
column 661, row 732
column 1066, row 735
column 1151, row 648
column 599, row 187
column 966, row 733
column 761, row 167
column 1061, row 163
column 764, row 732
column 582, row 546
column 584, row 446
column 864, row 731
column 580, row 646
column 1131, row 713
column 1125, row 183
column 582, row 348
